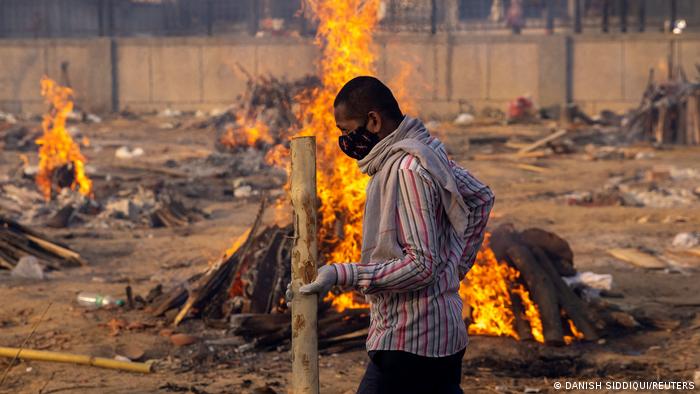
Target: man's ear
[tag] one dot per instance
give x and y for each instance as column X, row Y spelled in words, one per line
column 374, row 122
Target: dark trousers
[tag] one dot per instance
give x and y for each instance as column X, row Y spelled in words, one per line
column 390, row 372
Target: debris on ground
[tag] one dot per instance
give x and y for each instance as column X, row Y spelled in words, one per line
column 28, row 267
column 127, row 153
column 669, row 113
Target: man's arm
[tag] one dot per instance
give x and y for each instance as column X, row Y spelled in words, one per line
column 417, row 201
column 480, row 199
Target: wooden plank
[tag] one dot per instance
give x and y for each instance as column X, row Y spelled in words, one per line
column 509, row 156
column 637, row 258
column 543, row 141
column 533, row 168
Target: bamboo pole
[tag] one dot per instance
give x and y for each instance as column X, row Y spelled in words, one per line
column 41, row 355
column 304, row 259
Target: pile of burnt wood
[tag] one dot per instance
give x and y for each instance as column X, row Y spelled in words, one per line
column 669, row 113
column 17, row 241
column 245, row 292
column 267, row 100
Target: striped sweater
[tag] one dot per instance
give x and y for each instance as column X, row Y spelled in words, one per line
column 414, row 301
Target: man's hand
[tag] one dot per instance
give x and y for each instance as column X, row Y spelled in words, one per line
column 325, row 279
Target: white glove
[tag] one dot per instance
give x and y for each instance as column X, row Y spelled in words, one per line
column 325, row 279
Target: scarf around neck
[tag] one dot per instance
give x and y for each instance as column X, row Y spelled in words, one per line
column 379, row 237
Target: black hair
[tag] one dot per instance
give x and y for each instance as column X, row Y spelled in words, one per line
column 363, row 94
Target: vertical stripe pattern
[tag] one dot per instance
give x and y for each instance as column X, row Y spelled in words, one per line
column 414, row 300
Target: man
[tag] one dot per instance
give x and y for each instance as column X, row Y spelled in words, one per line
column 423, row 224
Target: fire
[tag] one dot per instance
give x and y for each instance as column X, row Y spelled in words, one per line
column 248, row 132
column 486, row 293
column 345, row 37
column 56, row 147
column 577, row 335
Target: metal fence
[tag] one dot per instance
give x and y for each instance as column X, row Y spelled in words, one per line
column 80, row 18
column 77, row 18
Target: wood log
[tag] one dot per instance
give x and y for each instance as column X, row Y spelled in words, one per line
column 260, row 297
column 681, row 123
column 283, row 269
column 305, row 377
column 660, row 126
column 522, row 326
column 569, row 302
column 559, row 251
column 542, row 289
column 692, row 125
column 501, row 238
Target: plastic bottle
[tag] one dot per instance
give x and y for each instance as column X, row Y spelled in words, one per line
column 97, row 301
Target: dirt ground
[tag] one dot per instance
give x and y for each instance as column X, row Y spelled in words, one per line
column 145, row 257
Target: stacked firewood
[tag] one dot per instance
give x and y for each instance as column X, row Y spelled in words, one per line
column 245, row 292
column 669, row 113
column 267, row 101
column 17, row 241
column 542, row 258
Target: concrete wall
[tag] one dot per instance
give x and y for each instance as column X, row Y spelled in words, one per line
column 194, row 73
column 613, row 72
column 24, row 62
column 439, row 75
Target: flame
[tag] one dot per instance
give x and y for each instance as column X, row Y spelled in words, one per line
column 56, row 147
column 278, row 156
column 236, row 244
column 345, row 301
column 344, row 36
column 577, row 335
column 486, row 295
column 248, row 132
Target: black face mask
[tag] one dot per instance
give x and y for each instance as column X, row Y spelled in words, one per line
column 358, row 143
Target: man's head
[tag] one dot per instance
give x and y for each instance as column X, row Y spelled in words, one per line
column 366, row 101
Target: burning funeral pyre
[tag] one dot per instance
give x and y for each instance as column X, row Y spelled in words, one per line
column 67, row 194
column 515, row 288
column 60, row 162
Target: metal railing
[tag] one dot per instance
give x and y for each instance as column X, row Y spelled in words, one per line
column 85, row 18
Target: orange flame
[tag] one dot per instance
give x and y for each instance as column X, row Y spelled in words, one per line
column 56, row 147
column 345, row 37
column 249, row 133
column 486, row 294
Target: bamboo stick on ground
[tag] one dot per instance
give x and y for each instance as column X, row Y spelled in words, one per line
column 41, row 355
column 304, row 260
